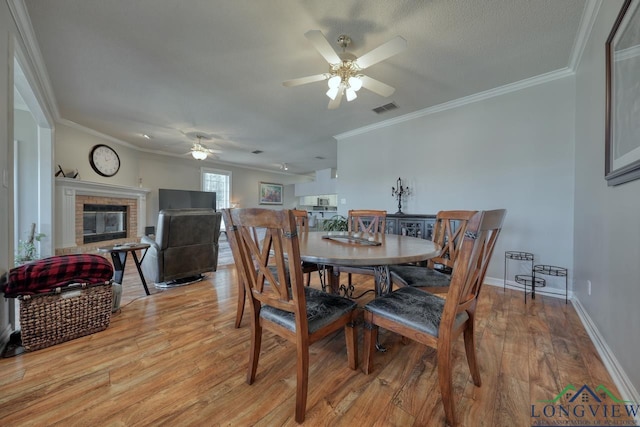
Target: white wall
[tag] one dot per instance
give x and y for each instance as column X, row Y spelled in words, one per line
column 72, row 152
column 7, row 28
column 26, row 133
column 607, row 230
column 514, row 151
column 73, row 145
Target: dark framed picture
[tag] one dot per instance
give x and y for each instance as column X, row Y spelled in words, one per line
column 270, row 194
column 622, row 137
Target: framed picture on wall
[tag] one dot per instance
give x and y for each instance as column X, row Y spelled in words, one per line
column 270, row 193
column 622, row 137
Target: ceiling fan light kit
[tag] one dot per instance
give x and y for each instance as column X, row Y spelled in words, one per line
column 199, row 151
column 199, row 154
column 344, row 76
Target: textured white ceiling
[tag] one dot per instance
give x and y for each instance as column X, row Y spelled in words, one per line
column 173, row 67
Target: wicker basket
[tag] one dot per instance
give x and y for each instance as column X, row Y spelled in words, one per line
column 68, row 313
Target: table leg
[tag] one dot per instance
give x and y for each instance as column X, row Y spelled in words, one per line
column 119, row 260
column 334, row 281
column 137, row 262
column 383, row 287
column 382, row 279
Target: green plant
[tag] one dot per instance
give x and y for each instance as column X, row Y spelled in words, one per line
column 27, row 250
column 335, row 223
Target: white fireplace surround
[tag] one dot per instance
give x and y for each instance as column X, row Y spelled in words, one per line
column 66, row 191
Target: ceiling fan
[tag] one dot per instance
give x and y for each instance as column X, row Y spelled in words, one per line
column 199, row 151
column 344, row 76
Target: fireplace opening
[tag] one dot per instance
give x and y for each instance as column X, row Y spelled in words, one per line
column 103, row 222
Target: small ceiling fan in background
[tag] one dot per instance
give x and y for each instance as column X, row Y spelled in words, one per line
column 344, row 76
column 198, row 150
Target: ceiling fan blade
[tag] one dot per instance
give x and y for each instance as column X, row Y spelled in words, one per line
column 320, row 42
column 305, row 80
column 376, row 86
column 382, row 52
column 335, row 103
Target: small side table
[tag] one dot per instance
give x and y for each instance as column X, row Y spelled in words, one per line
column 119, row 257
column 552, row 270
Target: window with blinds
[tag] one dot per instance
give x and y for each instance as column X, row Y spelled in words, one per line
column 220, row 182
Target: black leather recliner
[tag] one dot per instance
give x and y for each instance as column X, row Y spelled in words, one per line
column 185, row 245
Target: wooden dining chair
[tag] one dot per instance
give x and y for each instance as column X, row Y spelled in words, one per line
column 366, row 221
column 271, row 270
column 448, row 229
column 302, row 221
column 437, row 322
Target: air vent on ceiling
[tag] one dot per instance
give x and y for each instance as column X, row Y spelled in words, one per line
column 257, row 151
column 320, row 158
column 384, row 108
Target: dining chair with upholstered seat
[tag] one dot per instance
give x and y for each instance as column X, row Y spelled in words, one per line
column 302, row 222
column 448, row 229
column 437, row 322
column 271, row 270
column 365, row 221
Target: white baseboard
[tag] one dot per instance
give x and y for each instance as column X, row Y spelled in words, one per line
column 619, row 377
column 557, row 293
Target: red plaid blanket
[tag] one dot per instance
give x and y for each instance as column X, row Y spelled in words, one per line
column 49, row 273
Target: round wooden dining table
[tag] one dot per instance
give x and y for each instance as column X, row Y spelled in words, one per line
column 362, row 251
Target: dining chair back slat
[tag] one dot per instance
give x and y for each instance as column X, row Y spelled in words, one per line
column 447, row 229
column 367, row 220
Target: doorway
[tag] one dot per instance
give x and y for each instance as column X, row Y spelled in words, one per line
column 31, row 189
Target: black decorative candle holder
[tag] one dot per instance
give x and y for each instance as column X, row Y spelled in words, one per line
column 398, row 192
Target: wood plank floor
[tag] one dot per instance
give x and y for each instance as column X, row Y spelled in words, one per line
column 174, row 358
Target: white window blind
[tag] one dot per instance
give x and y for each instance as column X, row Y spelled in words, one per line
column 220, row 182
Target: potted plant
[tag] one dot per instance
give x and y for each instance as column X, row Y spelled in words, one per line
column 27, row 250
column 335, row 223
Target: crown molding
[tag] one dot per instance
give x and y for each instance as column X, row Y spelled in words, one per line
column 589, row 15
column 481, row 96
column 25, row 30
column 114, row 140
column 95, row 133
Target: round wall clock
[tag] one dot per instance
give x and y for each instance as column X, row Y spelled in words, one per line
column 104, row 160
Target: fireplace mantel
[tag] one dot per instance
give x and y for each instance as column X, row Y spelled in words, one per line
column 68, row 188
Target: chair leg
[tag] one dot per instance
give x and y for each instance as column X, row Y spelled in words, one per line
column 302, row 379
column 256, row 342
column 324, row 271
column 470, row 350
column 351, row 336
column 349, row 280
column 308, row 279
column 241, row 302
column 445, row 379
column 370, row 339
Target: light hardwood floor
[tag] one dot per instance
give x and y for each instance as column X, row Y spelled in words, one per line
column 174, row 358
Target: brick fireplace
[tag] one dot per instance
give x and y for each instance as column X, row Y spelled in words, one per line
column 72, row 196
